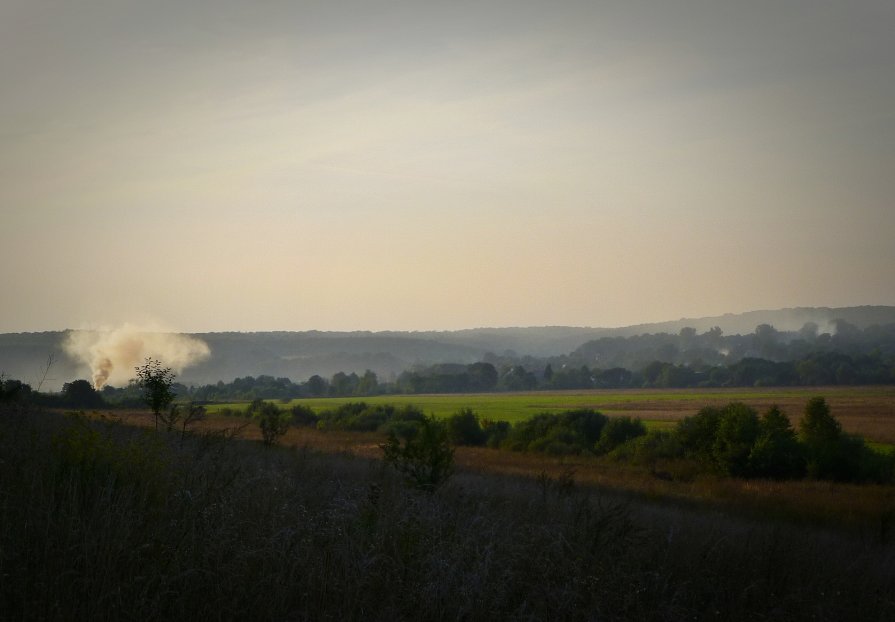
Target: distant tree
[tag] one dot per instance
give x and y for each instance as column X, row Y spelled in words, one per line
column 652, row 371
column 13, row 390
column 675, row 376
column 844, row 331
column 81, row 394
column 616, row 377
column 368, row 385
column 766, row 340
column 155, row 381
column 714, row 336
column 482, row 376
column 317, row 386
column 342, row 384
column 808, row 332
column 687, row 336
column 516, row 378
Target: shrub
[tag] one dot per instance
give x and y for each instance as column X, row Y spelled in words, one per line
column 496, row 432
column 303, row 416
column 618, row 430
column 818, row 425
column 734, row 437
column 776, row 452
column 573, row 431
column 403, row 422
column 697, row 433
column 273, row 422
column 254, row 407
column 587, row 424
column 356, row 416
column 558, row 441
column 650, row 448
column 821, row 436
column 464, row 428
column 426, row 459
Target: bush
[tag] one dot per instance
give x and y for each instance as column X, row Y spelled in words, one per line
column 496, row 432
column 303, row 416
column 734, row 437
column 273, row 422
column 426, row 459
column 403, row 422
column 776, row 452
column 648, row 449
column 570, row 432
column 464, row 428
column 697, row 433
column 618, row 430
column 828, row 454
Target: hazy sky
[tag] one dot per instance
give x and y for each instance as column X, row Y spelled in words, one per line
column 277, row 165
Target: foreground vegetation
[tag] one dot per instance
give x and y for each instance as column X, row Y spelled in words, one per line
column 104, row 521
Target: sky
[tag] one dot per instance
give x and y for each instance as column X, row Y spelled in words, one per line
column 389, row 165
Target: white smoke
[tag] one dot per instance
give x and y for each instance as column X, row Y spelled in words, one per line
column 112, row 355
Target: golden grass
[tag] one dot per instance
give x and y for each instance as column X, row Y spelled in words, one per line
column 862, row 507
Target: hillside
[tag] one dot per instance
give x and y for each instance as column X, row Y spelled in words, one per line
column 298, row 355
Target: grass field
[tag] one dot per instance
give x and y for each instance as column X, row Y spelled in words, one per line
column 866, row 411
column 104, row 521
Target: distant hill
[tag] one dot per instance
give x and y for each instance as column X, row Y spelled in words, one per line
column 781, row 319
column 298, row 355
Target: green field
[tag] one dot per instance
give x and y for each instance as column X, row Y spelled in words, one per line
column 868, row 411
column 510, row 407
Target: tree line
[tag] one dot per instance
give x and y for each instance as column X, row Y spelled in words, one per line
column 846, row 356
column 733, row 440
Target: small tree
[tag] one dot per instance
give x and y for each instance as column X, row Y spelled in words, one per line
column 821, row 435
column 776, row 452
column 155, row 381
column 697, row 433
column 273, row 422
column 737, row 430
column 183, row 414
column 426, row 459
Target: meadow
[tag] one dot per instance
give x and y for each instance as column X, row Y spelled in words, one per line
column 866, row 411
column 860, row 508
column 104, row 521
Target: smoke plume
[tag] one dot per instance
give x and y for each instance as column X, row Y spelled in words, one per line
column 113, row 354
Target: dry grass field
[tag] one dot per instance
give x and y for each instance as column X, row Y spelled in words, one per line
column 869, row 412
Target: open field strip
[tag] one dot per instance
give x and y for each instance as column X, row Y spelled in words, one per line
column 859, row 507
column 866, row 411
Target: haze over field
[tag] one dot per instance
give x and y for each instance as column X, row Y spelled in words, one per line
column 217, row 166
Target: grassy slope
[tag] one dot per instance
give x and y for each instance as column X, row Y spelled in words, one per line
column 105, row 521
